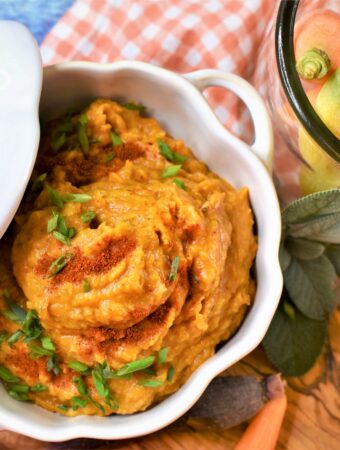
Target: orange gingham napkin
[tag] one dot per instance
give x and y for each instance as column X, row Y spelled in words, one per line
column 180, row 35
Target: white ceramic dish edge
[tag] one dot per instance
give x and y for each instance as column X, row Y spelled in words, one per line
column 35, row 422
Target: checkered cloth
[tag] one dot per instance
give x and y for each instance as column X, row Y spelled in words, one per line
column 181, row 35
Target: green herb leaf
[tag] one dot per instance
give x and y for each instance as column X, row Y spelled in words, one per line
column 20, row 387
column 179, row 183
column 52, row 223
column 87, row 216
column 52, row 364
column 39, row 388
column 61, row 237
column 63, row 407
column 38, row 183
column 100, row 383
column 174, row 268
column 116, row 140
column 170, row 374
column 3, row 336
column 86, row 285
column 77, row 198
column 81, row 386
column 78, row 366
column 7, row 376
column 134, row 106
column 311, row 286
column 47, row 343
column 83, row 120
column 55, row 197
column 14, row 313
column 58, row 264
column 71, row 232
column 162, row 355
column 135, row 366
column 171, row 171
column 58, row 141
column 169, row 154
column 15, row 337
column 37, row 352
column 292, row 346
column 83, row 140
column 150, row 383
column 78, row 402
column 20, row 396
column 303, row 248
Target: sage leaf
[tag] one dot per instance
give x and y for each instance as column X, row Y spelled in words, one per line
column 311, row 286
column 303, row 248
column 312, row 206
column 333, row 254
column 293, row 345
column 324, row 229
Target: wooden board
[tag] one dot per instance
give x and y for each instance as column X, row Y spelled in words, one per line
column 312, row 421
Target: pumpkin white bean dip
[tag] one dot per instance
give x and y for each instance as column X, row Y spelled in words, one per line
column 128, row 262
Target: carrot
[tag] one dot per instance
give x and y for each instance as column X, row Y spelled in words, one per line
column 318, row 29
column 264, row 429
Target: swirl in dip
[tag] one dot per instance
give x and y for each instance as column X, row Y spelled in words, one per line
column 128, row 263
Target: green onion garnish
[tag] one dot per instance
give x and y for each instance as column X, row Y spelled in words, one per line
column 116, row 140
column 170, row 374
column 86, row 285
column 162, row 355
column 171, row 171
column 135, row 366
column 58, row 264
column 179, row 183
column 174, row 268
column 169, row 154
column 78, row 366
column 87, row 216
column 150, row 383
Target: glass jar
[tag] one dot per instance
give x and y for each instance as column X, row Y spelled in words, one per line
column 307, row 145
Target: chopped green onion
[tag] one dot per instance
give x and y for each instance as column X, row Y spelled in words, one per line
column 78, row 366
column 20, row 396
column 47, row 343
column 83, row 140
column 58, row 142
column 62, row 225
column 7, row 376
column 169, row 154
column 83, row 120
column 39, row 388
column 87, row 216
column 77, row 198
column 100, row 383
column 52, row 223
column 3, row 336
column 37, row 352
column 58, row 264
column 135, row 366
column 171, row 171
column 15, row 337
column 150, row 383
column 170, row 374
column 78, row 402
column 86, row 285
column 55, row 197
column 134, row 106
column 52, row 364
column 20, row 387
column 71, row 232
column 14, row 313
column 63, row 407
column 174, row 269
column 162, row 355
column 116, row 140
column 81, row 386
column 179, row 183
column 38, row 183
column 60, row 237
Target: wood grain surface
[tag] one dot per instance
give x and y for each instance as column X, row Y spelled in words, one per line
column 312, row 421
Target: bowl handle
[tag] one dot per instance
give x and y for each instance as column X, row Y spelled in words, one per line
column 263, row 143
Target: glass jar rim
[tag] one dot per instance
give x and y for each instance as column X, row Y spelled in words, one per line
column 296, row 96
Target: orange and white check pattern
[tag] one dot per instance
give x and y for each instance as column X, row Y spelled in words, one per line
column 181, row 35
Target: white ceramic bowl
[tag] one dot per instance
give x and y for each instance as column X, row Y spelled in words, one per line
column 177, row 102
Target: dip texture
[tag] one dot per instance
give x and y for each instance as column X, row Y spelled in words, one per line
column 129, row 261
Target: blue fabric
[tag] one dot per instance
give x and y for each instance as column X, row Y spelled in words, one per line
column 38, row 15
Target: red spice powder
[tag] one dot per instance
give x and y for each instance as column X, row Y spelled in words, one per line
column 114, row 251
column 130, row 150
